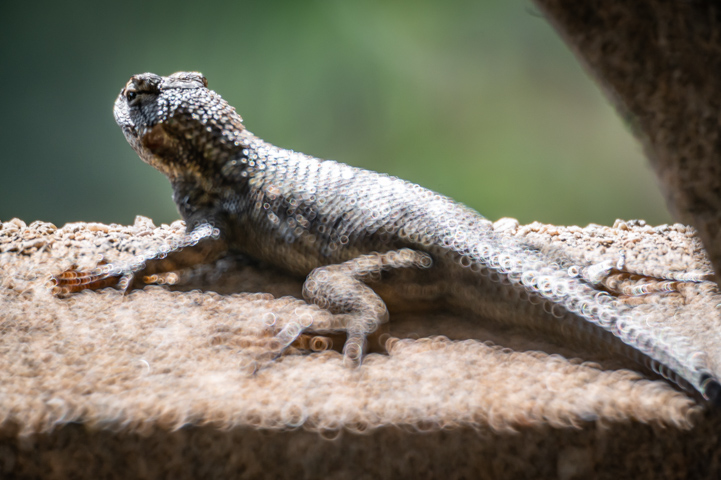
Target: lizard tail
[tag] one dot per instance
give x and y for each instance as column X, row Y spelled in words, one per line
column 681, row 357
column 711, row 389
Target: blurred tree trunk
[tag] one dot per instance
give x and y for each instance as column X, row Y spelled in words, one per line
column 660, row 63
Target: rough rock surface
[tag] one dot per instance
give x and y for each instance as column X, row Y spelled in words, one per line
column 173, row 381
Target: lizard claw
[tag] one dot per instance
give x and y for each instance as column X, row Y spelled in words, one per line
column 353, row 351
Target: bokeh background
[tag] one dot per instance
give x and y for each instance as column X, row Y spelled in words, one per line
column 479, row 100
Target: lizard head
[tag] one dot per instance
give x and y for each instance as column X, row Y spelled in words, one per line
column 177, row 125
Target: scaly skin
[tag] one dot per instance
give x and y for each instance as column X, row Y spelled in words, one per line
column 359, row 236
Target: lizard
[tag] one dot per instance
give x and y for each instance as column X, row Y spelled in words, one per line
column 366, row 242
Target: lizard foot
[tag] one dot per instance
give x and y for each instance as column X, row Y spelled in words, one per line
column 618, row 280
column 103, row 276
column 73, row 280
column 342, row 290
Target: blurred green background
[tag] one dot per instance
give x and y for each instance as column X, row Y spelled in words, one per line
column 479, row 100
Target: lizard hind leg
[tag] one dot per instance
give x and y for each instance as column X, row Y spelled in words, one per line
column 342, row 289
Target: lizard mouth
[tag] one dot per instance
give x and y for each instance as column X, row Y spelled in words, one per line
column 122, row 116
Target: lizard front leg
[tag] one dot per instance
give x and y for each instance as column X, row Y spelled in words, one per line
column 203, row 245
column 342, row 289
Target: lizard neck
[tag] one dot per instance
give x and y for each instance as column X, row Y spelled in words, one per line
column 201, row 155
